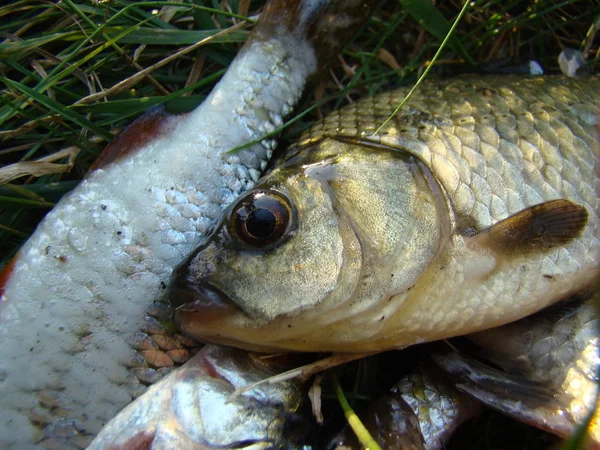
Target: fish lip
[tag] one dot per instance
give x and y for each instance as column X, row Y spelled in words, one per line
column 192, row 296
column 198, row 302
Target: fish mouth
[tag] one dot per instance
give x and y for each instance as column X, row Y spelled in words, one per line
column 199, row 302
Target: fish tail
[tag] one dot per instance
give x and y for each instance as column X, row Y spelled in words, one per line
column 326, row 25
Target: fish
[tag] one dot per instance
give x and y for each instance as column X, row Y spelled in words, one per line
column 194, row 406
column 541, row 370
column 74, row 298
column 189, row 408
column 476, row 206
column 420, row 412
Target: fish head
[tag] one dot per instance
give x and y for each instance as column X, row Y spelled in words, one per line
column 195, row 407
column 310, row 258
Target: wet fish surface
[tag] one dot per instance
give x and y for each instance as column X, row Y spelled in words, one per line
column 421, row 412
column 190, row 409
column 74, row 299
column 541, row 370
column 476, row 206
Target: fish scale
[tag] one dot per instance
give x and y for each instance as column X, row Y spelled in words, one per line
column 490, row 126
column 492, row 140
column 488, row 138
column 78, row 289
column 543, row 368
column 499, row 158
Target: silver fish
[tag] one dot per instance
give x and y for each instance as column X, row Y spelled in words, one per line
column 189, row 409
column 421, row 412
column 76, row 293
column 545, row 370
column 474, row 207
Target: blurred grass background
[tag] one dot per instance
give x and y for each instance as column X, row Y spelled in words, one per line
column 73, row 73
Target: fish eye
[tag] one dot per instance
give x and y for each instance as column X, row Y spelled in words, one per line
column 261, row 219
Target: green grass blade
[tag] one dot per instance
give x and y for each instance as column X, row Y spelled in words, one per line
column 58, row 108
column 14, row 202
column 152, row 36
column 430, row 18
column 426, row 72
column 357, row 426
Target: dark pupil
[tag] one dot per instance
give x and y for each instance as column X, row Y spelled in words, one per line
column 261, row 223
column 260, row 220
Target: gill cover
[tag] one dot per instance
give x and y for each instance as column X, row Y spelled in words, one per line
column 328, row 236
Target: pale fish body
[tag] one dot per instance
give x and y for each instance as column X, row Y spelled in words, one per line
column 79, row 288
column 546, row 369
column 421, row 412
column 475, row 206
column 189, row 409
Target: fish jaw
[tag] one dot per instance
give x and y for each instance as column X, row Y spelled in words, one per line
column 79, row 288
column 190, row 409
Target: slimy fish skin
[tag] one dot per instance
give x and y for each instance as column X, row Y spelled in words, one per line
column 541, row 370
column 477, row 205
column 421, row 412
column 74, row 299
column 190, row 409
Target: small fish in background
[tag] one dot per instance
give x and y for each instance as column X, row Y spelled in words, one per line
column 477, row 205
column 421, row 412
column 189, row 409
column 76, row 294
column 541, row 370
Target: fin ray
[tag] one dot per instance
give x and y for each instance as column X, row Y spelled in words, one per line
column 539, row 227
column 524, row 400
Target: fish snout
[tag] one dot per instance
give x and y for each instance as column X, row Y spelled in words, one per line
column 197, row 301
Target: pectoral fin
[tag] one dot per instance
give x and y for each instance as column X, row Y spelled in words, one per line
column 539, row 227
column 511, row 394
